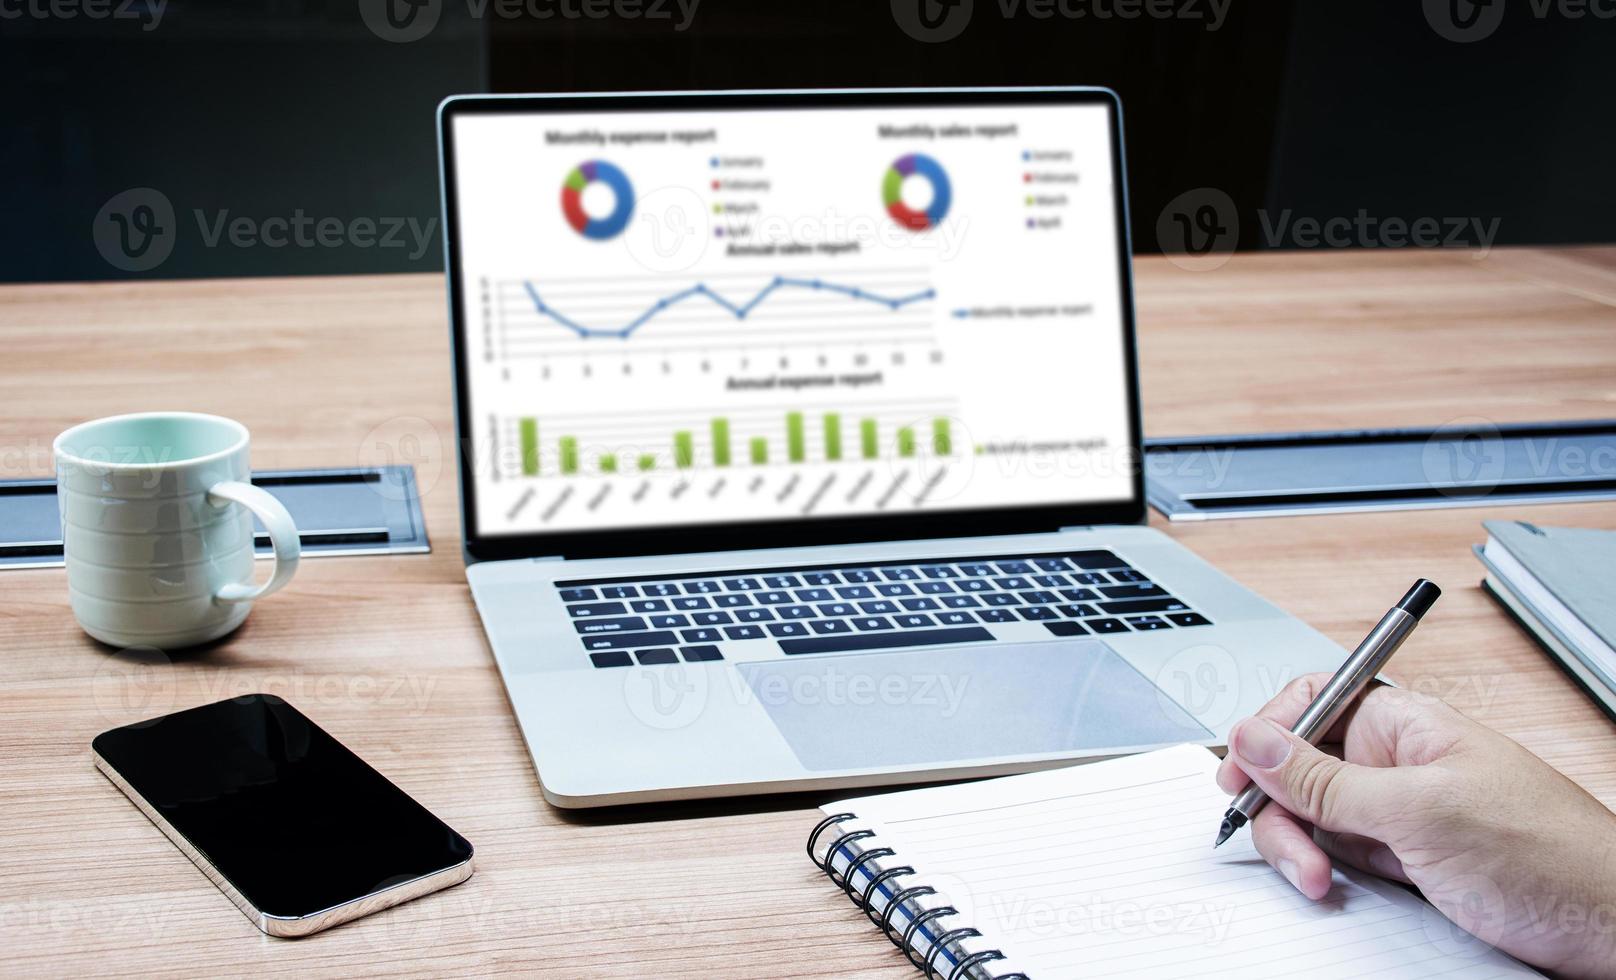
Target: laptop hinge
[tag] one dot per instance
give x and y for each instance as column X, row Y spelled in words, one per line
column 549, row 558
column 1076, row 527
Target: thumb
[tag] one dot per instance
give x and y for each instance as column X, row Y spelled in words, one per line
column 1321, row 789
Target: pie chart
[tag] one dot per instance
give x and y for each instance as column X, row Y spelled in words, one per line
column 572, row 199
column 924, row 167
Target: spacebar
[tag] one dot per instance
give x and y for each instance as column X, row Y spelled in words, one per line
column 883, row 641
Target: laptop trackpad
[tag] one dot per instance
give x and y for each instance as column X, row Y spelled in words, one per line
column 953, row 704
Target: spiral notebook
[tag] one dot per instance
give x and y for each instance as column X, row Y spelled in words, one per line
column 1107, row 870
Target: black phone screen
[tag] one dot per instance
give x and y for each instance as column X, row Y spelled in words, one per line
column 296, row 822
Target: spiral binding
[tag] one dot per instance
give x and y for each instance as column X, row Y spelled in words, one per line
column 905, row 938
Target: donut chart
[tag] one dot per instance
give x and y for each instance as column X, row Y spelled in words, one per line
column 572, row 199
column 921, row 165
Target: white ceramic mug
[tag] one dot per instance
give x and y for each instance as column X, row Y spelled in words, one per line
column 157, row 524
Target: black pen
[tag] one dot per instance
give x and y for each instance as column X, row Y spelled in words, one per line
column 1343, row 689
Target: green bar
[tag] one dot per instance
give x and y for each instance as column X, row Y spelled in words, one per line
column 796, row 449
column 906, row 441
column 530, row 446
column 760, row 451
column 608, row 464
column 941, row 442
column 720, row 442
column 869, row 438
column 569, row 454
column 647, row 462
column 684, row 450
column 833, row 436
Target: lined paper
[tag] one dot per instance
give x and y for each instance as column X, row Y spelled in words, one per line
column 1107, row 870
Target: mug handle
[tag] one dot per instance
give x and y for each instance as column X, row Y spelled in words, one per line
column 282, row 535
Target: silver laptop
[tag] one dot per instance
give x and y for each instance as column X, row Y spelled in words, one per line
column 800, row 444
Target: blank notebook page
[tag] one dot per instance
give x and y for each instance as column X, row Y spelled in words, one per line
column 1107, row 870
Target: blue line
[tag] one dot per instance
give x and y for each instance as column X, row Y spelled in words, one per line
column 738, row 311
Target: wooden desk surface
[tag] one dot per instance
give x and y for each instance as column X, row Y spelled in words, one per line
column 388, row 655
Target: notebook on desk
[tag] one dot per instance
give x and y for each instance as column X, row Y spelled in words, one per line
column 1107, row 870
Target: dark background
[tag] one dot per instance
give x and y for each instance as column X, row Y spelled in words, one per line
column 264, row 107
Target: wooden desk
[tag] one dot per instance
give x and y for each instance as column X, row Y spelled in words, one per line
column 387, row 652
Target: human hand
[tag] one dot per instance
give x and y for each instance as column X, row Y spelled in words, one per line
column 1502, row 844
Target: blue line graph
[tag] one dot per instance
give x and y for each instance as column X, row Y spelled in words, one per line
column 738, row 310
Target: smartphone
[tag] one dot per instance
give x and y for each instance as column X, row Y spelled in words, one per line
column 293, row 827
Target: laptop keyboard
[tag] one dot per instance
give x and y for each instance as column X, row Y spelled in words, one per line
column 663, row 619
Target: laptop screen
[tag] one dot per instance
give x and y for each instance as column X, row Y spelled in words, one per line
column 701, row 316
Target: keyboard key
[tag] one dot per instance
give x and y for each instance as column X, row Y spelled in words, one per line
column 1039, row 598
column 821, row 578
column 1106, row 625
column 1133, row 590
column 661, row 589
column 955, row 618
column 668, row 621
column 996, row 616
column 1014, row 568
column 619, row 591
column 702, row 654
column 742, row 584
column 872, row 623
column 879, row 641
column 1147, row 623
column 1000, row 599
column 616, row 624
column 1090, row 578
column 622, row 641
column 704, row 635
column 782, row 581
column 614, row 658
column 1127, row 575
column 837, row 609
column 649, row 605
column 692, row 602
column 1051, row 581
column 1188, row 619
column 939, row 571
column 976, row 569
column 796, row 612
column 1038, row 612
column 863, row 576
column 753, row 615
column 731, row 600
column 879, row 606
column 1076, row 610
column 974, row 585
column 915, row 605
column 788, row 629
column 1125, row 606
column 658, row 655
column 895, row 589
column 1053, row 564
column 813, row 595
column 774, row 597
column 597, row 609
column 1066, row 627
column 911, row 621
column 578, row 595
column 703, row 587
column 1096, row 559
column 960, row 602
column 934, row 588
column 744, row 632
column 900, row 574
column 712, row 618
column 830, row 626
column 855, row 592
column 1080, row 595
column 1013, row 583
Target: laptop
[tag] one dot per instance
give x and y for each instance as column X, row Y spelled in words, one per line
column 800, row 444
